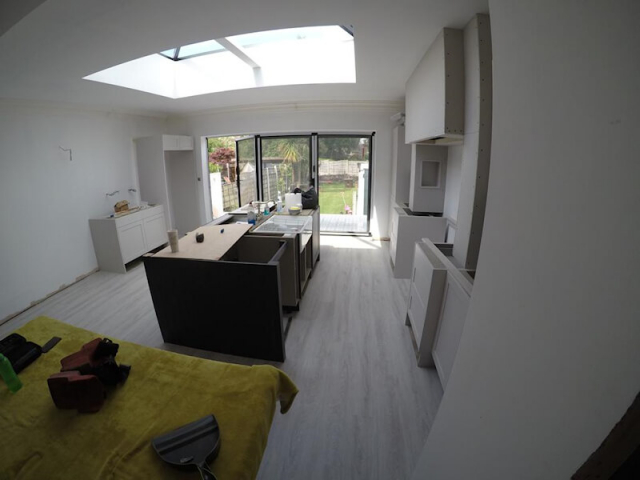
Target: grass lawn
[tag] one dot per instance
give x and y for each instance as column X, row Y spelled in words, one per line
column 331, row 200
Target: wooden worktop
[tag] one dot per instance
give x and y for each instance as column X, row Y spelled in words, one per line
column 218, row 239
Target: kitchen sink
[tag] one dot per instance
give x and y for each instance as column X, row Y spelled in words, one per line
column 285, row 224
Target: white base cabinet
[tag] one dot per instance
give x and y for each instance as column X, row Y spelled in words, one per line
column 453, row 316
column 117, row 241
column 437, row 310
column 404, row 231
column 425, row 300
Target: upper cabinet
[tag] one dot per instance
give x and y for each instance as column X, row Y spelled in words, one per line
column 177, row 142
column 428, row 178
column 400, row 167
column 435, row 93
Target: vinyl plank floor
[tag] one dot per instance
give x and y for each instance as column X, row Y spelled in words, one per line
column 364, row 408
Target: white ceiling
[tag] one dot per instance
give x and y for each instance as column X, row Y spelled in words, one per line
column 45, row 55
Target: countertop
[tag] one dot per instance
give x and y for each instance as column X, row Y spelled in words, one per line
column 218, row 239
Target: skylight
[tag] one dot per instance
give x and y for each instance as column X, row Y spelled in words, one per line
column 193, row 50
column 292, row 56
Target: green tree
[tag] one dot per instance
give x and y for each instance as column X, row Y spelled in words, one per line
column 213, row 143
column 339, row 148
column 294, row 153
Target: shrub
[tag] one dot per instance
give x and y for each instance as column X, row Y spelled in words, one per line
column 222, row 155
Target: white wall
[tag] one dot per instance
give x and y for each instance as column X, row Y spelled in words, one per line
column 549, row 358
column 46, row 200
column 348, row 118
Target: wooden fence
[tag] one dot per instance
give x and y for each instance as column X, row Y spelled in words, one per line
column 338, row 167
column 273, row 183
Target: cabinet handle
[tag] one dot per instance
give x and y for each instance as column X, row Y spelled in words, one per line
column 414, row 275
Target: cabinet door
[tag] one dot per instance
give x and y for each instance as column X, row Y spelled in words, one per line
column 155, row 231
column 450, row 327
column 394, row 161
column 170, row 142
column 315, row 241
column 417, row 311
column 132, row 243
column 402, row 174
column 393, row 232
column 392, row 250
column 185, row 143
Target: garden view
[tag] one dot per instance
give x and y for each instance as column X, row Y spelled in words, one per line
column 286, row 164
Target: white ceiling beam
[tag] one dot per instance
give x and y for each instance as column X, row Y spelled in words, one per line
column 238, row 52
column 257, row 76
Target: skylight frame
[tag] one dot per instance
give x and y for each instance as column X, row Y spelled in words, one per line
column 327, row 58
column 177, row 58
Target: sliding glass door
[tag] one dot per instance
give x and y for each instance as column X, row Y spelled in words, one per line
column 344, row 183
column 246, row 170
column 264, row 167
column 286, row 164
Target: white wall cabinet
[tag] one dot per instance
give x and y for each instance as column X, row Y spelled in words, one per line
column 177, row 142
column 475, row 165
column 435, row 93
column 117, row 241
column 404, row 231
column 400, row 167
column 428, row 178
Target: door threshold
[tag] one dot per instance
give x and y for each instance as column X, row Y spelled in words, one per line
column 346, row 234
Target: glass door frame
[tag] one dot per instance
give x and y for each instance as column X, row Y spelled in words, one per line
column 312, row 159
column 371, row 137
column 258, row 162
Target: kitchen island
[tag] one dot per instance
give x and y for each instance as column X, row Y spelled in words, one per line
column 227, row 293
column 302, row 234
column 210, row 296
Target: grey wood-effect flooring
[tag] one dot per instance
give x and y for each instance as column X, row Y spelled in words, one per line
column 364, row 408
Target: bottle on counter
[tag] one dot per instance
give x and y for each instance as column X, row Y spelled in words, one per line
column 251, row 216
column 8, row 375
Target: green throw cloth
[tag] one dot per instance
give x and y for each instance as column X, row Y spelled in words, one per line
column 164, row 391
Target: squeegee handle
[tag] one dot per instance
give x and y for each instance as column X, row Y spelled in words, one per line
column 205, row 473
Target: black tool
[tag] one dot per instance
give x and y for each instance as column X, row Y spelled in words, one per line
column 20, row 352
column 191, row 445
column 199, row 237
column 10, row 342
column 50, row 344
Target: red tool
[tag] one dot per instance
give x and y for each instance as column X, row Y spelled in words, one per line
column 84, row 374
column 84, row 359
column 74, row 390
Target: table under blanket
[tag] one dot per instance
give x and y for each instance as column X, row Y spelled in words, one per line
column 164, row 391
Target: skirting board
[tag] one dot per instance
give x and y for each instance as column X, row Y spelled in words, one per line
column 49, row 295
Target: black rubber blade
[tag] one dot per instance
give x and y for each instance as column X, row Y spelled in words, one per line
column 190, row 445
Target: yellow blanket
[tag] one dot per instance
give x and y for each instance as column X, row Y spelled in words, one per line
column 164, row 391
